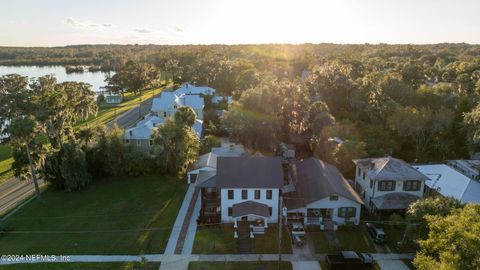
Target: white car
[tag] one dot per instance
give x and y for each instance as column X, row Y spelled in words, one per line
column 298, row 233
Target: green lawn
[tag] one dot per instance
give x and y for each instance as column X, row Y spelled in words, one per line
column 113, row 216
column 83, row 266
column 398, row 241
column 350, row 237
column 6, row 161
column 320, row 242
column 238, row 265
column 219, row 240
column 355, row 238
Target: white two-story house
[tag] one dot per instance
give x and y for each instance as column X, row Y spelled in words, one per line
column 244, row 189
column 168, row 103
column 388, row 184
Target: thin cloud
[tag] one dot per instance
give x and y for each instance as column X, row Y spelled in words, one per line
column 143, row 30
column 177, row 28
column 87, row 25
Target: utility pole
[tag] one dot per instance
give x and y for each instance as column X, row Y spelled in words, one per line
column 34, row 174
column 280, row 214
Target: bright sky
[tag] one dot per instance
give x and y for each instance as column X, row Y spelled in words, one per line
column 66, row 22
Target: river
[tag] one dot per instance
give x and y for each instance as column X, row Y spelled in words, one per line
column 96, row 79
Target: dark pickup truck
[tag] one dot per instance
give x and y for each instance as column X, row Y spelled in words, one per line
column 349, row 260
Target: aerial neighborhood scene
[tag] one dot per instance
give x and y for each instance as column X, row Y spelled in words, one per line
column 208, row 135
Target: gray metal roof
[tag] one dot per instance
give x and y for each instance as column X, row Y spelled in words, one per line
column 249, row 172
column 208, row 183
column 316, row 180
column 389, row 168
column 204, row 176
column 394, row 201
column 250, row 208
column 206, row 160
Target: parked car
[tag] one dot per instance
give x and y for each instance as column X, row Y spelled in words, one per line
column 349, row 260
column 378, row 234
column 297, row 233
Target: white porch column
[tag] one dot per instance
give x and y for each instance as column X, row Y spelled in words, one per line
column 235, row 223
column 188, row 179
column 265, row 223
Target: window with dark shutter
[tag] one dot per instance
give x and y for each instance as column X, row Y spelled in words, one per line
column 230, row 194
column 257, row 194
column 269, row 194
column 244, row 194
column 411, row 185
column 386, row 185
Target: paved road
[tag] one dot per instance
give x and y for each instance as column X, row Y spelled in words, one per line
column 13, row 192
column 131, row 117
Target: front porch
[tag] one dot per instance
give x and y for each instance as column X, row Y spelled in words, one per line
column 253, row 217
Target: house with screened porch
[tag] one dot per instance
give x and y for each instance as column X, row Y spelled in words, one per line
column 388, row 184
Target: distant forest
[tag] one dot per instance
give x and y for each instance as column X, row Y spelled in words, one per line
column 416, row 102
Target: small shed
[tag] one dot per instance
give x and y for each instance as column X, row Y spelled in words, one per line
column 113, row 98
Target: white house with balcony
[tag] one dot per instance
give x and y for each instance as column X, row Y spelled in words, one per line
column 387, row 183
column 245, row 190
column 168, row 103
column 322, row 196
column 141, row 135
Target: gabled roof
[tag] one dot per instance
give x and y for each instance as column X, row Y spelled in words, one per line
column 193, row 101
column 206, row 160
column 315, row 180
column 169, row 99
column 388, row 168
column 206, row 179
column 165, row 101
column 249, row 172
column 190, row 89
column 449, row 182
column 250, row 208
column 144, row 129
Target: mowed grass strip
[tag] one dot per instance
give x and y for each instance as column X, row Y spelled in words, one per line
column 238, row 265
column 113, row 216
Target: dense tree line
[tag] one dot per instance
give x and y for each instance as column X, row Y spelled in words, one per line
column 416, row 102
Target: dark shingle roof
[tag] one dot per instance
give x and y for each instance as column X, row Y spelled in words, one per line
column 388, row 168
column 249, row 172
column 316, row 180
column 250, row 208
column 394, row 201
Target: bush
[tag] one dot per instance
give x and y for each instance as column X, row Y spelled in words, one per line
column 137, row 163
column 208, row 142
